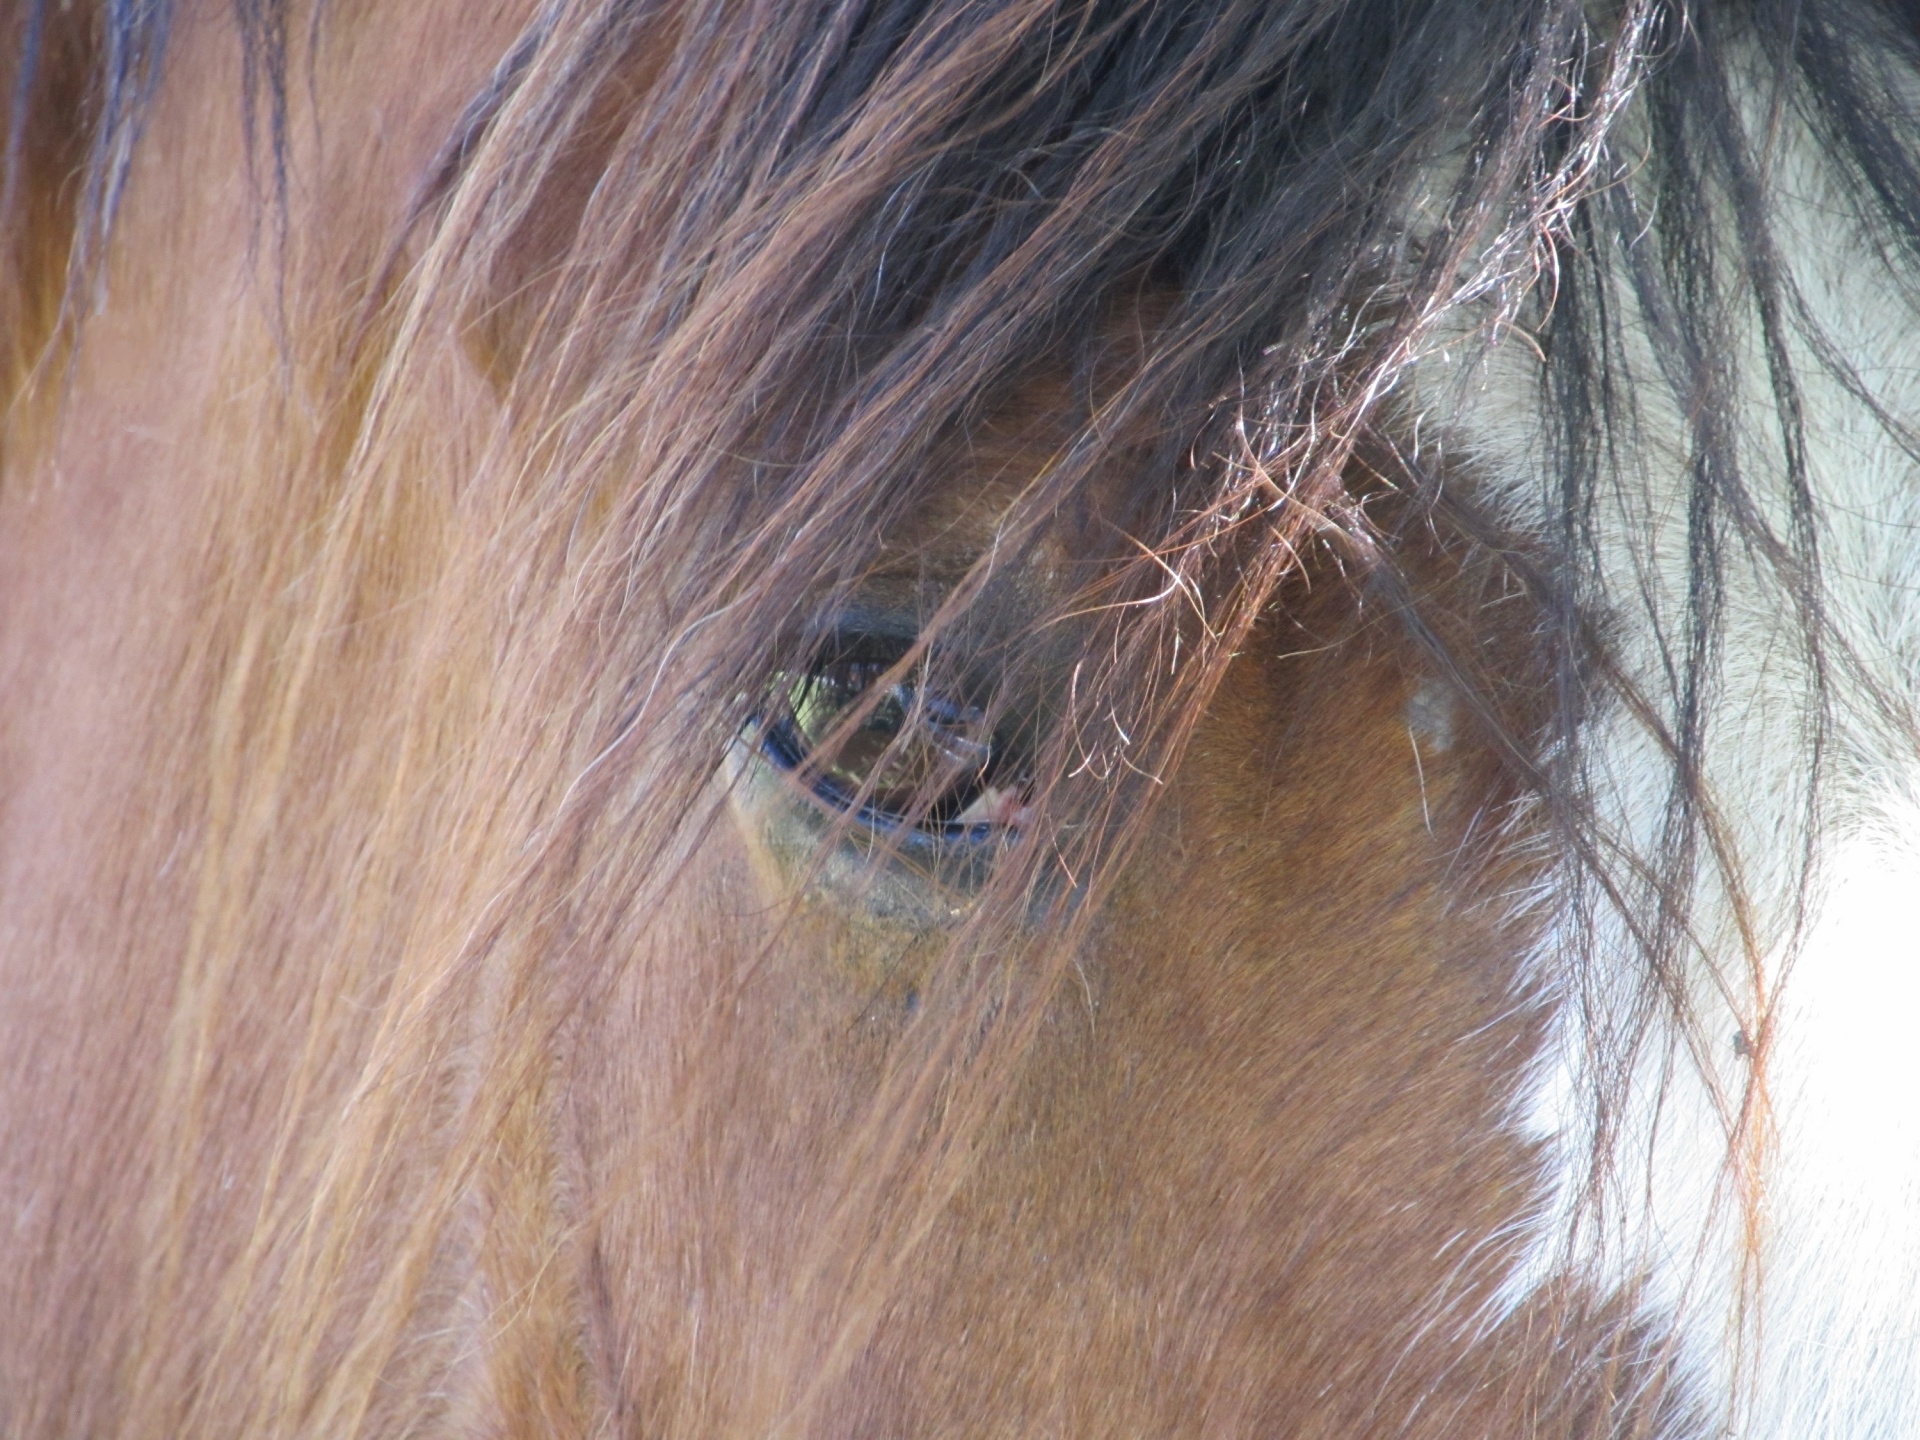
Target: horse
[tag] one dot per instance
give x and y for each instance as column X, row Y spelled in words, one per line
column 959, row 718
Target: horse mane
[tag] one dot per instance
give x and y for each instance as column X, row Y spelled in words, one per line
column 693, row 309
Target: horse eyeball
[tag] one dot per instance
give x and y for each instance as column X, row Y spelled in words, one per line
column 899, row 753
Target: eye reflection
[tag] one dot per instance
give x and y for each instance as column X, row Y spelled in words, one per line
column 916, row 758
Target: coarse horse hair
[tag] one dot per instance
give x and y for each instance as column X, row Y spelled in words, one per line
column 739, row 279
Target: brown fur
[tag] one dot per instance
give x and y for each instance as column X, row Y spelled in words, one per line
column 381, row 1058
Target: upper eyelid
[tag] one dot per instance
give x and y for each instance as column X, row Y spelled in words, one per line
column 864, row 647
column 855, row 621
column 887, row 635
column 985, row 656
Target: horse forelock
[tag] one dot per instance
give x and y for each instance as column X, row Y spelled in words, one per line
column 656, row 336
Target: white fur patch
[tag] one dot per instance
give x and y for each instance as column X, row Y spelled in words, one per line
column 1782, row 1255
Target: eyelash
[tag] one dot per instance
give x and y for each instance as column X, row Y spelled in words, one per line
column 917, row 763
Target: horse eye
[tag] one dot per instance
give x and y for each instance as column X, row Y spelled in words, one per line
column 914, row 757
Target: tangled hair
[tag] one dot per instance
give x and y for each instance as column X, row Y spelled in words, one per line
column 688, row 318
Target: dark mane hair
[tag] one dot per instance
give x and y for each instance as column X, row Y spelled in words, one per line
column 742, row 277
